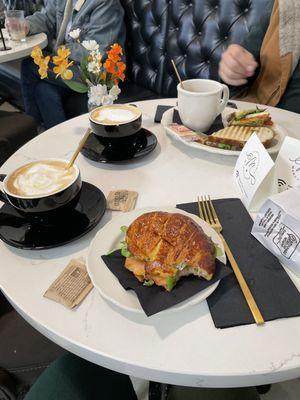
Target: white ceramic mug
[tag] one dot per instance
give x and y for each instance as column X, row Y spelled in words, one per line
column 200, row 101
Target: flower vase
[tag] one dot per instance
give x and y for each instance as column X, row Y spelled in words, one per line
column 99, row 95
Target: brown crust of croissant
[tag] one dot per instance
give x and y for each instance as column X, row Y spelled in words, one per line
column 161, row 241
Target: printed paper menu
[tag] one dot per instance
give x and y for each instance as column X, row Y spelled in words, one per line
column 254, row 174
column 277, row 227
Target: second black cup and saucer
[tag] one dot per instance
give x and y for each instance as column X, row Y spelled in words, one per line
column 37, row 232
column 118, row 135
column 105, row 150
column 41, row 213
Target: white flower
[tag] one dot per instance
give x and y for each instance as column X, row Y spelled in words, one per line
column 115, row 91
column 93, row 67
column 107, row 100
column 97, row 93
column 90, row 45
column 75, row 33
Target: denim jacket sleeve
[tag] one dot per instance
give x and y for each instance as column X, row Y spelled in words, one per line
column 44, row 20
column 105, row 25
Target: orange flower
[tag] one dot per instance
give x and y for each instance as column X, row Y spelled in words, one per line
column 37, row 55
column 109, row 65
column 114, row 53
column 120, row 70
column 62, row 68
column 116, row 69
column 43, row 67
column 36, row 52
column 62, row 55
column 117, row 48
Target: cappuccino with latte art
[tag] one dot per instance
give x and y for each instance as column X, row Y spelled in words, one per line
column 115, row 114
column 40, row 178
column 116, row 120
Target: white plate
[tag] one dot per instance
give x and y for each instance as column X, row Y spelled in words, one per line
column 167, row 119
column 109, row 237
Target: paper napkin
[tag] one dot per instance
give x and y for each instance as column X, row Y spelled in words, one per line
column 254, row 174
column 155, row 298
column 275, row 293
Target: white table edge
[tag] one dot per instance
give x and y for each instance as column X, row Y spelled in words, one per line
column 156, row 375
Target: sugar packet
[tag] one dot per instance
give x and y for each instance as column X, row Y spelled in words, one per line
column 121, row 200
column 71, row 286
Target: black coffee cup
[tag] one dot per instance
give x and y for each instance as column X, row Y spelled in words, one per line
column 58, row 200
column 113, row 128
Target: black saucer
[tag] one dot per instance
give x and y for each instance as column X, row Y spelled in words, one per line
column 106, row 150
column 39, row 233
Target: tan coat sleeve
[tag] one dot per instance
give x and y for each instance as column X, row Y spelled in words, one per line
column 275, row 70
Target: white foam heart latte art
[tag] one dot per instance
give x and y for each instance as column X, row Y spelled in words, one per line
column 40, row 178
column 115, row 114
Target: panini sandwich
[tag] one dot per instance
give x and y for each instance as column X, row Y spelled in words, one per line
column 235, row 137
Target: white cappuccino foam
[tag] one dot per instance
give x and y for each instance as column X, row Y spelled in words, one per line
column 115, row 115
column 42, row 179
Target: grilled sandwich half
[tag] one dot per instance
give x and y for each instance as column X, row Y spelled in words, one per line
column 235, row 137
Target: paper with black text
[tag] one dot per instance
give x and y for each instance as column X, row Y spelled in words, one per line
column 254, row 174
column 287, row 164
column 277, row 227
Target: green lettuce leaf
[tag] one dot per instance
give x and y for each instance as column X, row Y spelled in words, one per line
column 171, row 282
column 218, row 251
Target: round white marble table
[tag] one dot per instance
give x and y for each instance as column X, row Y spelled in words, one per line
column 21, row 49
column 182, row 348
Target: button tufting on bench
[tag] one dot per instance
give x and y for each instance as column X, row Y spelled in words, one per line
column 202, row 28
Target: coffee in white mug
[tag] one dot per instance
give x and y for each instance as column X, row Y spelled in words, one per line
column 200, row 101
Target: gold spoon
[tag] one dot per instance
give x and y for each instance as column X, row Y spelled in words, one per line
column 79, row 147
column 177, row 73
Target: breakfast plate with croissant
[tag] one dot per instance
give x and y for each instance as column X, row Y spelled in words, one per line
column 239, row 125
column 161, row 247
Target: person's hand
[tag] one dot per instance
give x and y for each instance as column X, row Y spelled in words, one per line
column 13, row 24
column 237, row 65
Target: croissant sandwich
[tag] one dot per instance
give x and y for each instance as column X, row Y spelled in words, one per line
column 162, row 247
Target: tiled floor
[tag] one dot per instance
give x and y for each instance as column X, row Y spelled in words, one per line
column 7, row 107
column 289, row 390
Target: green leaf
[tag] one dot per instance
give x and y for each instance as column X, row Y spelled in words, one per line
column 125, row 252
column 224, row 146
column 77, row 86
column 124, row 228
column 171, row 282
column 148, row 283
column 84, row 62
column 218, row 251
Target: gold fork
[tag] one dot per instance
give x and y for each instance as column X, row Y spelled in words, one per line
column 208, row 213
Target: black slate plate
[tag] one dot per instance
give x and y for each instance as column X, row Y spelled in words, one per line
column 106, row 150
column 40, row 233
